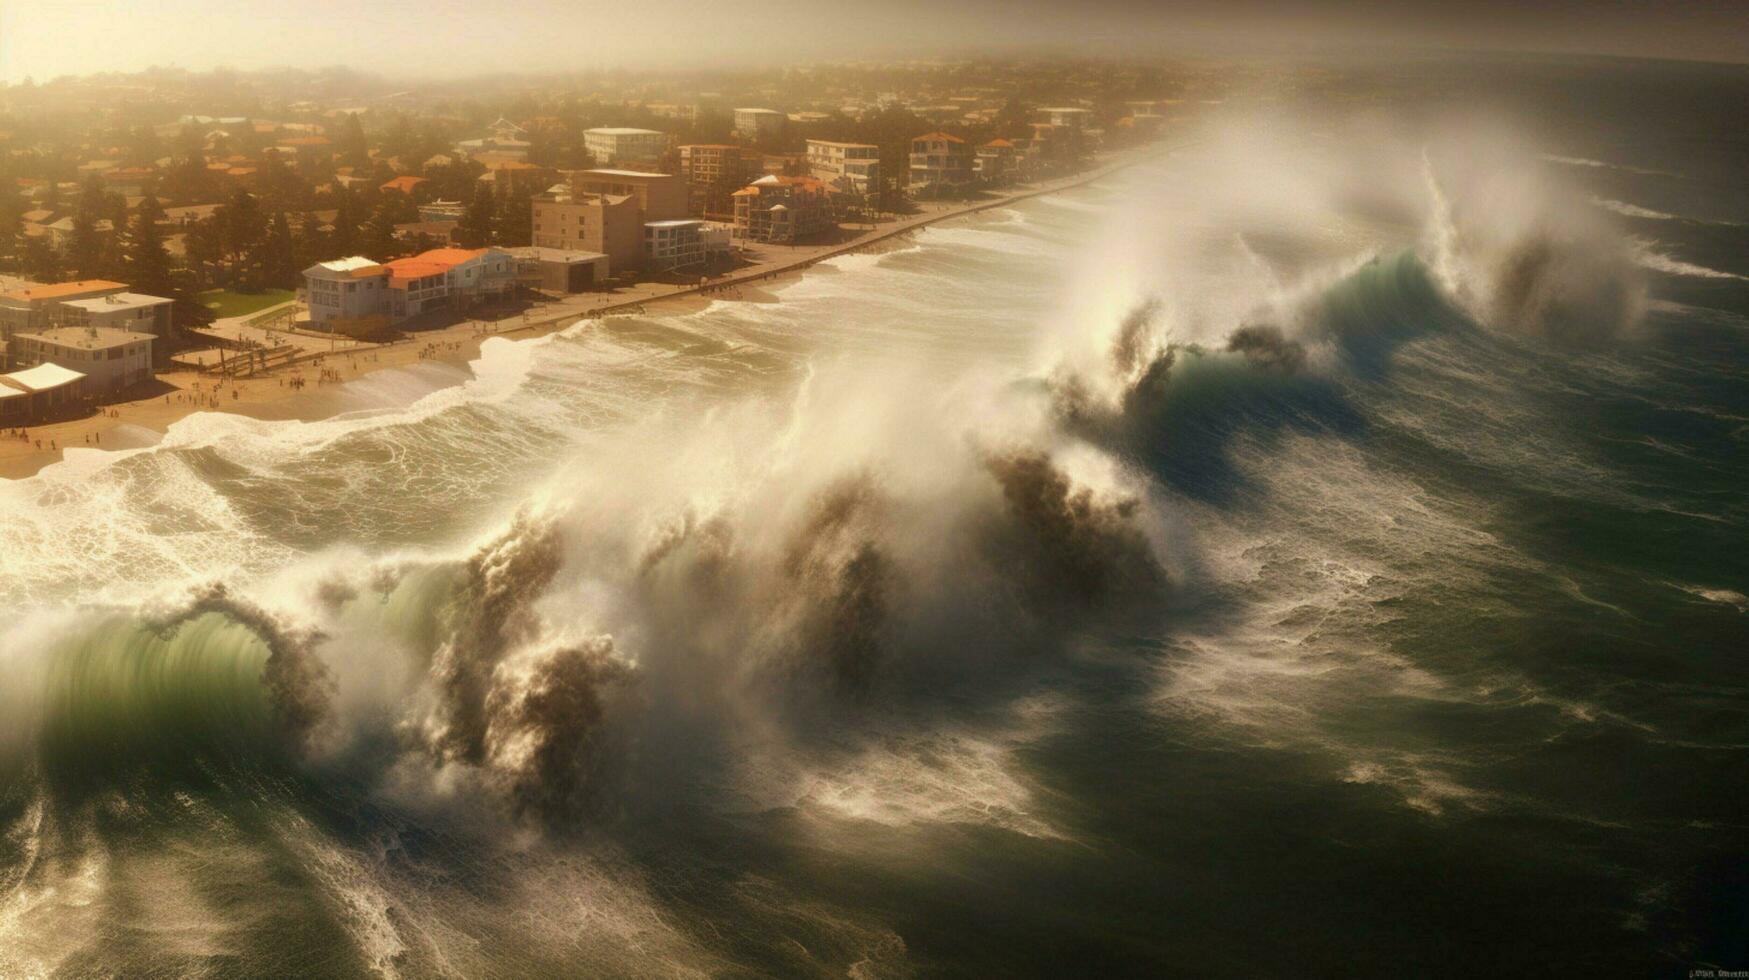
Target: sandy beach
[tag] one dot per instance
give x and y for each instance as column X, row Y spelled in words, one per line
column 291, row 392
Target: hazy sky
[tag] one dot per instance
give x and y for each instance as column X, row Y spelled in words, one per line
column 45, row 38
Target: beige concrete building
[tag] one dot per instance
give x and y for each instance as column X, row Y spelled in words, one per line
column 713, row 171
column 615, row 145
column 783, row 210
column 848, row 168
column 555, row 270
column 661, row 197
column 606, row 223
column 940, row 163
column 759, row 125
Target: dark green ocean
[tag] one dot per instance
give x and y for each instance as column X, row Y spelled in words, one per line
column 1320, row 550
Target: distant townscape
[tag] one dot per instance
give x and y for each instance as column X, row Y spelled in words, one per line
column 226, row 223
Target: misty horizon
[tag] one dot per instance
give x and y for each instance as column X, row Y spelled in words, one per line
column 446, row 39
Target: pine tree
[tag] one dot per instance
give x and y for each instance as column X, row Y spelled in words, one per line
column 475, row 229
column 147, row 264
column 241, row 227
column 345, row 239
column 353, row 148
column 279, row 261
column 85, row 251
column 11, row 225
column 516, row 218
column 379, row 233
column 309, row 244
column 41, row 261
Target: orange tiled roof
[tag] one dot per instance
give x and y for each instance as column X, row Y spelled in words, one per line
column 59, row 289
column 414, row 267
column 450, row 256
column 403, row 183
column 945, row 137
column 1000, row 144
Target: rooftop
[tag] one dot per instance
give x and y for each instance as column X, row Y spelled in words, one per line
column 87, row 338
column 351, row 264
column 60, row 289
column 621, row 131
column 43, row 377
column 624, row 173
column 116, row 301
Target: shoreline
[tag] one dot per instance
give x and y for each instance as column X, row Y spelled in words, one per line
column 141, row 422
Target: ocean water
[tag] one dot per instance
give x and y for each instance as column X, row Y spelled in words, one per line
column 1319, row 550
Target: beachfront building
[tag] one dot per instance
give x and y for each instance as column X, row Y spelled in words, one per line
column 1072, row 118
column 853, row 169
column 134, row 312
column 660, row 197
column 348, row 295
column 940, row 164
column 448, row 279
column 996, row 162
column 684, row 244
column 556, row 270
column 759, row 125
column 783, row 210
column 712, row 172
column 38, row 307
column 111, row 360
column 611, row 224
column 39, row 393
column 619, row 145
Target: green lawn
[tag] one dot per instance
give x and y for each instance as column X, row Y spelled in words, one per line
column 227, row 302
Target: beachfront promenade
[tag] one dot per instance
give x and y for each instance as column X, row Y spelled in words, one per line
column 278, row 393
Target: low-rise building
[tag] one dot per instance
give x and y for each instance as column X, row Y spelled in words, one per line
column 39, row 393
column 940, row 164
column 683, row 244
column 1072, row 118
column 996, row 162
column 759, row 125
column 111, row 360
column 618, row 145
column 556, row 270
column 448, row 279
column 38, row 307
column 848, row 168
column 135, row 312
column 783, row 210
column 348, row 292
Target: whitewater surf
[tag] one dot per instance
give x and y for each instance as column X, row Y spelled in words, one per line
column 1286, row 530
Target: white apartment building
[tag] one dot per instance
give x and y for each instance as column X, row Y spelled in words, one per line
column 682, row 244
column 611, row 145
column 110, row 359
column 759, row 124
column 1072, row 118
column 346, row 289
column 134, row 312
column 849, row 168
